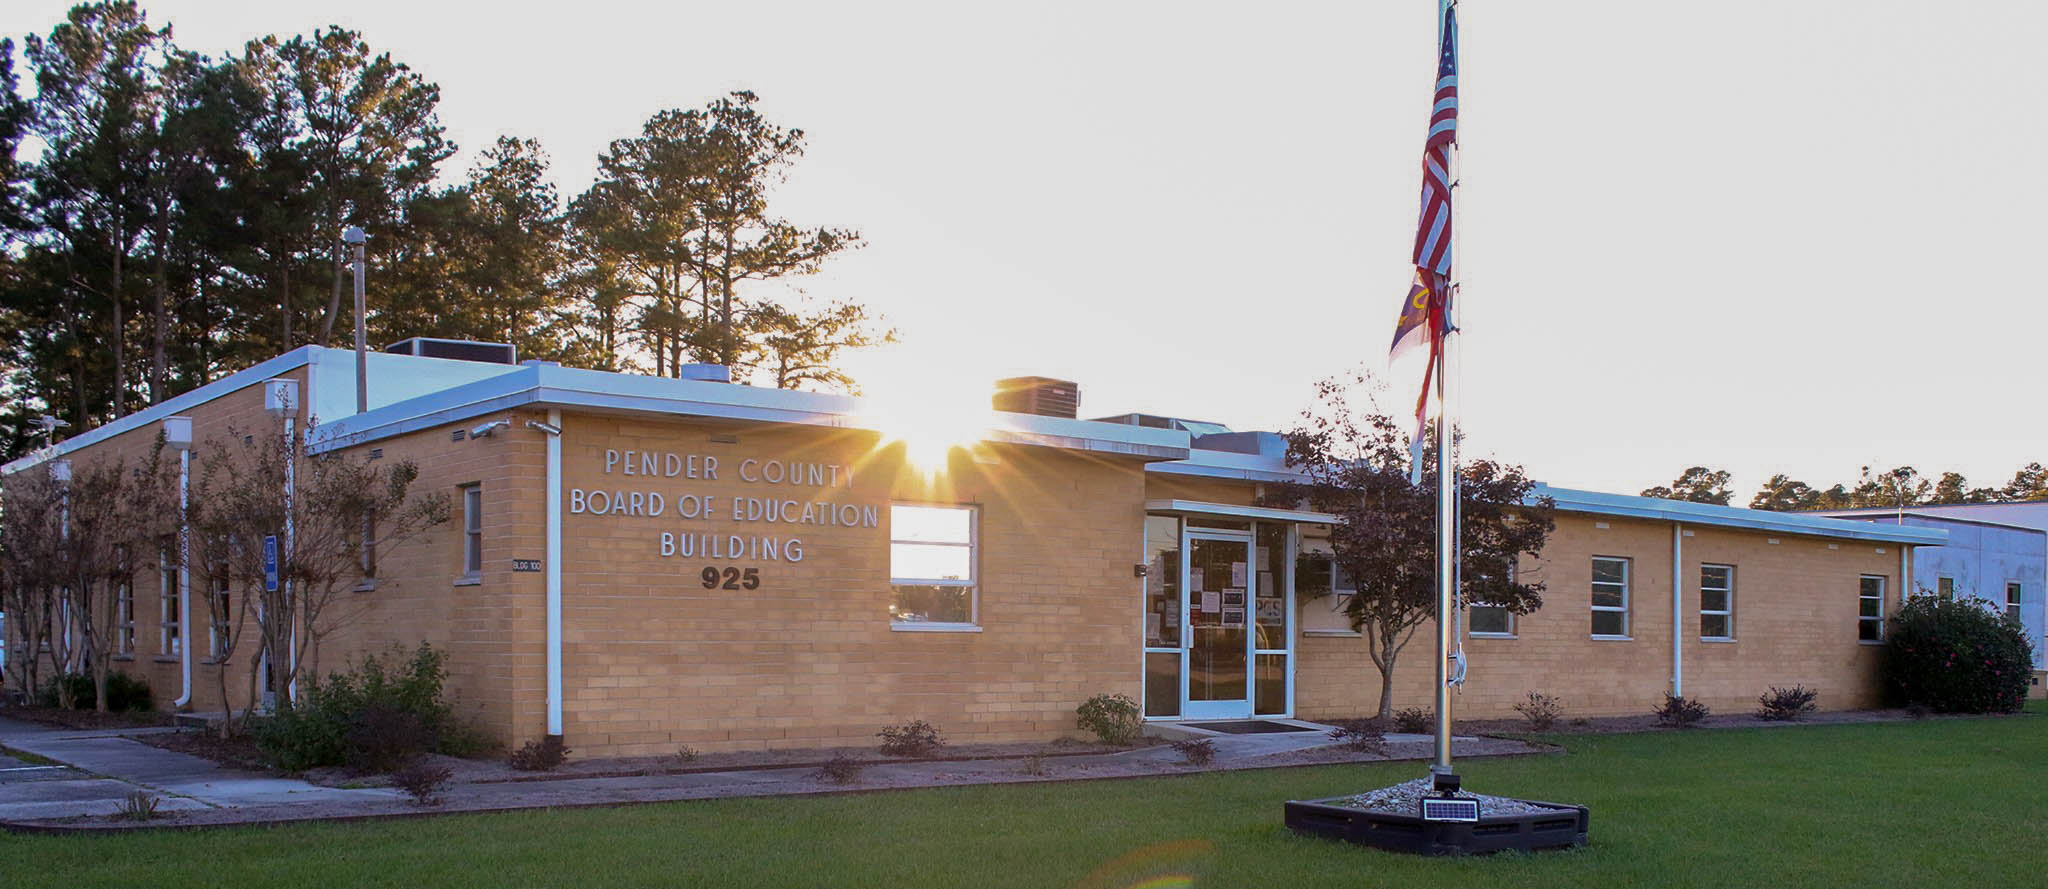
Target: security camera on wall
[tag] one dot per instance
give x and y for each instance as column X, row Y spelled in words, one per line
column 486, row 429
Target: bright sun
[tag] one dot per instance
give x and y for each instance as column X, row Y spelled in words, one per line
column 930, row 416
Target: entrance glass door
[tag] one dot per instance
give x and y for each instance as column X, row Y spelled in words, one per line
column 1219, row 649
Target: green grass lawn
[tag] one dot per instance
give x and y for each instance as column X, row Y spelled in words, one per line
column 1952, row 802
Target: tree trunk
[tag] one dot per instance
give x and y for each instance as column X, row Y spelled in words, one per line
column 160, row 369
column 120, row 334
column 1387, row 690
column 333, row 302
column 284, row 301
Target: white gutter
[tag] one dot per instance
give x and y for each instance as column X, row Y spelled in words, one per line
column 554, row 571
column 1677, row 610
column 184, row 583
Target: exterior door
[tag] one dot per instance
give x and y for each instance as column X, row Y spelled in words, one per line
column 1218, row 607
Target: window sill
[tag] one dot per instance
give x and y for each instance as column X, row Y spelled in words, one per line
column 166, row 659
column 1492, row 636
column 1333, row 634
column 1870, row 642
column 365, row 586
column 1728, row 640
column 121, row 657
column 1599, row 638
column 468, row 580
column 934, row 628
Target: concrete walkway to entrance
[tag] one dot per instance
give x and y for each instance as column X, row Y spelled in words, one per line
column 96, row 770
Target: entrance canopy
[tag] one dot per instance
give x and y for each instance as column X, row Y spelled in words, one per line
column 1228, row 510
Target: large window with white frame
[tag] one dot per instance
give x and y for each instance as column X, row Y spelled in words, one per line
column 1324, row 590
column 2012, row 600
column 1945, row 587
column 1870, row 609
column 932, row 566
column 1717, row 602
column 169, row 641
column 1610, row 597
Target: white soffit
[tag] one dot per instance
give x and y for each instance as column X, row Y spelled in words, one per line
column 1230, row 510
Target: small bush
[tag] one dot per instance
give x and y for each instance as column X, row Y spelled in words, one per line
column 543, row 755
column 1786, row 704
column 683, row 756
column 423, row 781
column 1680, row 712
column 1113, row 718
column 138, row 805
column 125, row 693
column 1415, row 721
column 1196, row 751
column 917, row 739
column 377, row 715
column 1361, row 736
column 1033, row 765
column 840, row 769
column 1917, row 710
column 1956, row 657
column 1540, row 710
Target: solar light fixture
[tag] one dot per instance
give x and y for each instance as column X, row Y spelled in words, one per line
column 1439, row 808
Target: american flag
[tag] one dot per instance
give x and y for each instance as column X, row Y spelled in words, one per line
column 1433, row 230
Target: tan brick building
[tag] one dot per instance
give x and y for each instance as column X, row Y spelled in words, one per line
column 640, row 563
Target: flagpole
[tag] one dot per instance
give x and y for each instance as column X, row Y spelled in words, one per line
column 1444, row 778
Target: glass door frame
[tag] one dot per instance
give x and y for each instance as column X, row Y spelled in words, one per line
column 1223, row 709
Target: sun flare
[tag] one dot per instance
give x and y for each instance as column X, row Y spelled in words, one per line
column 931, row 418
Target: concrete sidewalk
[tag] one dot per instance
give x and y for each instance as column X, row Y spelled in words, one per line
column 99, row 768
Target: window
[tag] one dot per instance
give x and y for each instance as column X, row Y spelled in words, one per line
column 1717, row 602
column 220, row 628
column 169, row 642
column 2012, row 601
column 1870, row 609
column 1610, row 597
column 1325, row 590
column 932, row 565
column 472, row 531
column 124, row 619
column 1492, row 620
column 1945, row 587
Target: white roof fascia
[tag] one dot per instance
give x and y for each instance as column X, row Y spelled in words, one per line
column 570, row 387
column 171, row 407
column 1259, row 513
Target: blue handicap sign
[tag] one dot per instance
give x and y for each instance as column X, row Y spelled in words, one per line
column 270, row 563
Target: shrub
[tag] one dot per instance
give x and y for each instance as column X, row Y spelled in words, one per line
column 1540, row 710
column 543, row 755
column 683, row 756
column 125, row 693
column 1785, row 704
column 917, row 738
column 840, row 769
column 1955, row 657
column 377, row 715
column 1415, row 721
column 1196, row 751
column 1680, row 712
column 1033, row 765
column 1361, row 736
column 1917, row 710
column 1113, row 718
column 138, row 805
column 423, row 781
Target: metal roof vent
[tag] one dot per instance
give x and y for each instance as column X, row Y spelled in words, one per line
column 1043, row 396
column 458, row 350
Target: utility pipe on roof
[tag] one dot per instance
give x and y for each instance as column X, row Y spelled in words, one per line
column 1677, row 610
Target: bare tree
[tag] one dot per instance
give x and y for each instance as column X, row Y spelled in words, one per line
column 116, row 509
column 31, row 538
column 339, row 510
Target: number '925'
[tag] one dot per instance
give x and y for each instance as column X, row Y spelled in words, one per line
column 730, row 578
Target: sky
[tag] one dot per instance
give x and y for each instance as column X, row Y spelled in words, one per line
column 1758, row 235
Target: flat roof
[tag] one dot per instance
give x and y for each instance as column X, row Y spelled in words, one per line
column 1657, row 508
column 1877, row 513
column 547, row 385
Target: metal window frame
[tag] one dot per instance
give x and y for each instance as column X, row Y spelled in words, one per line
column 472, row 530
column 1727, row 612
column 1510, row 633
column 1627, row 575
column 2015, row 596
column 1879, row 619
column 170, row 641
column 972, row 583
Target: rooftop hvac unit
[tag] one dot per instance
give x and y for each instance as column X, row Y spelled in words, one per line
column 1043, row 396
column 459, row 350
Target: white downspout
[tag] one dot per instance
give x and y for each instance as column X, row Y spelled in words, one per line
column 184, row 584
column 554, row 572
column 1677, row 610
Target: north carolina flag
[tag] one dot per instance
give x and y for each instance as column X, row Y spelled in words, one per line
column 1425, row 312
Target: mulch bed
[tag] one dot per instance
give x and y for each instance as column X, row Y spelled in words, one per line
column 236, row 752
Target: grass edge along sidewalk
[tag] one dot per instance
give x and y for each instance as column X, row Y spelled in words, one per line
column 1939, row 802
